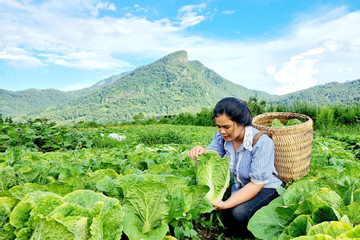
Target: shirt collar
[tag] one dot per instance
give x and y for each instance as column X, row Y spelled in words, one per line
column 248, row 138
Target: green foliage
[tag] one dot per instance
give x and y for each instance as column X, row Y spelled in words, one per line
column 81, row 214
column 327, row 196
column 164, row 120
column 168, row 86
column 325, row 116
column 276, row 123
column 256, row 107
column 204, row 118
column 75, row 193
column 330, row 230
column 146, row 211
column 334, row 93
column 140, row 117
column 213, row 171
column 184, row 119
column 166, row 136
column 322, row 116
column 103, row 171
column 23, row 103
column 7, row 178
column 41, row 135
column 271, row 222
column 6, row 206
column 324, row 213
column 293, row 122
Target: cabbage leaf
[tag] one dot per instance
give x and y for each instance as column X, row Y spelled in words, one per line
column 146, row 209
column 213, row 171
column 80, row 215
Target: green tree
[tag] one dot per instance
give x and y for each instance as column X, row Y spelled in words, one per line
column 184, row 119
column 204, row 117
column 325, row 117
column 281, row 108
column 257, row 107
column 164, row 120
column 140, row 117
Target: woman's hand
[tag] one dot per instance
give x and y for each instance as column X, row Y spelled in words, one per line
column 219, row 205
column 196, row 151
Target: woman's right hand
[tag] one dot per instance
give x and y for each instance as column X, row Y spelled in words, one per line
column 196, row 151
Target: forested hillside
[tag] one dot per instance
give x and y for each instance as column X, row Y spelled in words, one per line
column 22, row 103
column 327, row 94
column 170, row 85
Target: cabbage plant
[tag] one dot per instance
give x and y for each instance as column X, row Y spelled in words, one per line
column 213, row 171
column 80, row 215
column 308, row 209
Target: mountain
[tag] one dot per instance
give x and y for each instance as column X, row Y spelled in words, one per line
column 21, row 103
column 106, row 82
column 326, row 94
column 170, row 85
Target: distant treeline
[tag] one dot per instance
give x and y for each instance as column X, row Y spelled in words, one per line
column 322, row 116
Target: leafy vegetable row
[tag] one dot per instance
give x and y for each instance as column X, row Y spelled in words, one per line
column 154, row 192
column 153, row 188
column 323, row 205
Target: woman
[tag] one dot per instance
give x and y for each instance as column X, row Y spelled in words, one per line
column 252, row 167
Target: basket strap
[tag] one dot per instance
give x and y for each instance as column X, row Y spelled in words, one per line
column 258, row 135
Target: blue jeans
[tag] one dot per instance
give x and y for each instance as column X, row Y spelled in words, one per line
column 237, row 218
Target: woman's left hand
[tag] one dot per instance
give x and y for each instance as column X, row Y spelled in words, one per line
column 219, row 205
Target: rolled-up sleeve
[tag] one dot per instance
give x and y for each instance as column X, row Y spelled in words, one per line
column 217, row 144
column 262, row 165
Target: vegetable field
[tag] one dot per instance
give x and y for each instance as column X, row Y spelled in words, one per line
column 81, row 183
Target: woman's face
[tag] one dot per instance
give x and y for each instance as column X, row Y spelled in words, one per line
column 229, row 129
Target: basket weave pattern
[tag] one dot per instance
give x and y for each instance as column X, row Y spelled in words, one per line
column 293, row 144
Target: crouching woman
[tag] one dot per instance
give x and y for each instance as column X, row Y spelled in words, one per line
column 252, row 166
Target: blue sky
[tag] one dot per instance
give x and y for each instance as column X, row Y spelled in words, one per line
column 277, row 46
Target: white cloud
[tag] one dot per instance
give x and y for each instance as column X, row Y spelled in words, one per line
column 86, row 60
column 191, row 19
column 192, row 8
column 106, row 6
column 317, row 49
column 228, row 12
column 297, row 73
column 310, row 53
column 18, row 57
column 188, row 15
column 101, row 6
column 271, row 70
column 330, row 45
column 139, row 9
column 68, row 37
column 95, row 10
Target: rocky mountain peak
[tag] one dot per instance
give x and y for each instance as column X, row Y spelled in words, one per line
column 178, row 56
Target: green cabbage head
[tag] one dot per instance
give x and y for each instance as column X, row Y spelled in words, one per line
column 213, row 171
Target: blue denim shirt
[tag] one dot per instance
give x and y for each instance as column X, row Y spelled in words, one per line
column 255, row 164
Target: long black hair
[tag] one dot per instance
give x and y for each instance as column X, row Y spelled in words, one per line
column 234, row 108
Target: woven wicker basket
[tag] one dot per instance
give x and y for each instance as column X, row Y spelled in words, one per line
column 293, row 144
